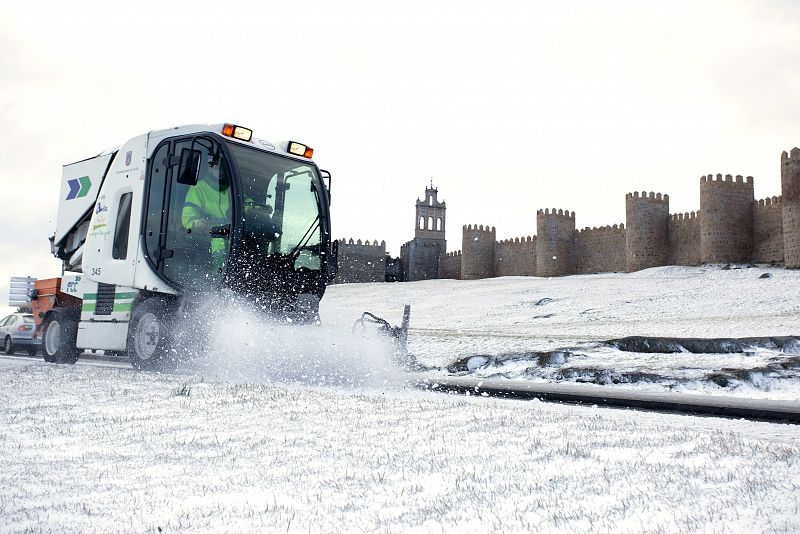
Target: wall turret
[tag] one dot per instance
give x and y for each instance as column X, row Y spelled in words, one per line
column 555, row 231
column 790, row 195
column 726, row 219
column 477, row 246
column 647, row 235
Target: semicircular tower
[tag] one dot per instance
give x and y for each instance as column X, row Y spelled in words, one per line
column 790, row 193
column 726, row 219
column 477, row 252
column 647, row 234
column 555, row 236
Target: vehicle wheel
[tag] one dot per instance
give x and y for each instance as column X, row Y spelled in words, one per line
column 8, row 346
column 60, row 332
column 150, row 346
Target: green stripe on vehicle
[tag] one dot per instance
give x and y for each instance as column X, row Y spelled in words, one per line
column 90, row 296
column 88, row 307
column 125, row 296
column 122, row 307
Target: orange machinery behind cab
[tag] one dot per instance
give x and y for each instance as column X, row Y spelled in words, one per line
column 47, row 295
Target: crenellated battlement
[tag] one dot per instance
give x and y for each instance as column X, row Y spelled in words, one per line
column 566, row 214
column 769, row 201
column 479, row 228
column 793, row 154
column 689, row 216
column 608, row 229
column 727, row 179
column 516, row 240
column 655, row 197
column 366, row 243
column 456, row 254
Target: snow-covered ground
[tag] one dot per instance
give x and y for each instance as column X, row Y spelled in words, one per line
column 308, row 429
column 508, row 322
column 106, row 450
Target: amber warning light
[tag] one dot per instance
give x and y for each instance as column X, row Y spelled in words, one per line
column 300, row 149
column 237, row 132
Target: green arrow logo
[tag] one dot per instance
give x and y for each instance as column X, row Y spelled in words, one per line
column 86, row 184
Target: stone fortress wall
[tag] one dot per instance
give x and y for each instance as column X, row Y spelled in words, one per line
column 731, row 226
column 361, row 262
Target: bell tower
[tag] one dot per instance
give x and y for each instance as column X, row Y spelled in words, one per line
column 430, row 215
column 421, row 256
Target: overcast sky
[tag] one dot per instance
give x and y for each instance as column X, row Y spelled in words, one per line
column 507, row 106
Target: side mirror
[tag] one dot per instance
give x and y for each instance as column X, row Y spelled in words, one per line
column 327, row 176
column 332, row 261
column 189, row 168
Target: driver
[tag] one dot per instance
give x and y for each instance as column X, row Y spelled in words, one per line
column 207, row 204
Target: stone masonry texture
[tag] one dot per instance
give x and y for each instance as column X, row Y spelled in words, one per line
column 790, row 187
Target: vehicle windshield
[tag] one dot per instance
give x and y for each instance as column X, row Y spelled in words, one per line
column 281, row 208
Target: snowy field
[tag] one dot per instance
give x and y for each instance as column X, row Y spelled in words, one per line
column 308, row 429
column 91, row 449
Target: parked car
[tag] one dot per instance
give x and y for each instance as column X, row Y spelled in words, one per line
column 16, row 331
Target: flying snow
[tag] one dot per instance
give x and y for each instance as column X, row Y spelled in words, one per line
column 242, row 345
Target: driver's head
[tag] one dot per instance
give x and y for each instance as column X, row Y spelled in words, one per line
column 215, row 176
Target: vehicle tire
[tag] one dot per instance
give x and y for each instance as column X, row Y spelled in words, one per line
column 150, row 336
column 8, row 345
column 59, row 334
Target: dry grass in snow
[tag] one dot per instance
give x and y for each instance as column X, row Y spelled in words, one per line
column 100, row 449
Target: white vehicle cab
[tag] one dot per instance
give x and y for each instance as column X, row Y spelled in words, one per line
column 145, row 230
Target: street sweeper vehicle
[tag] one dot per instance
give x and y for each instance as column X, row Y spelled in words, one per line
column 148, row 230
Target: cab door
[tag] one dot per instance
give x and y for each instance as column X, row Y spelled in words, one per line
column 188, row 227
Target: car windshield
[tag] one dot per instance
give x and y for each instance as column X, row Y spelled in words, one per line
column 28, row 318
column 281, row 207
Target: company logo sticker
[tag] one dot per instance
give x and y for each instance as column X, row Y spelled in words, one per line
column 78, row 187
column 266, row 144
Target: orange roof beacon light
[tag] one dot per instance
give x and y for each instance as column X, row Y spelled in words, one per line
column 299, row 149
column 237, row 132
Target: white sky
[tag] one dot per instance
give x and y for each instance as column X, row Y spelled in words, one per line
column 508, row 106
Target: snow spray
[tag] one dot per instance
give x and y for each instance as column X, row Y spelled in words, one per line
column 234, row 342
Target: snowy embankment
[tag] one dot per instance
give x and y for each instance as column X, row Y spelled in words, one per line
column 500, row 327
column 102, row 449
